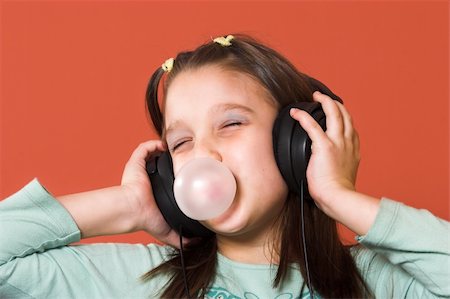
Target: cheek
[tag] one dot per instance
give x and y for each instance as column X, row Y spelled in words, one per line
column 178, row 162
column 255, row 160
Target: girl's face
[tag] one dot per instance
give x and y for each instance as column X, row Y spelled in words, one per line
column 228, row 116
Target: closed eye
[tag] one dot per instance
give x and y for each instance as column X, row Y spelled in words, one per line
column 178, row 144
column 174, row 148
column 233, row 124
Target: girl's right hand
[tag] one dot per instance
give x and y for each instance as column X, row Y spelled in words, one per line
column 136, row 184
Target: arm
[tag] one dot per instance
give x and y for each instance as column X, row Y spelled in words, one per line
column 36, row 263
column 35, row 229
column 122, row 209
column 114, row 210
column 404, row 253
column 409, row 253
column 100, row 212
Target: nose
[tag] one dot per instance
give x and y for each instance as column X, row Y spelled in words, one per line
column 207, row 149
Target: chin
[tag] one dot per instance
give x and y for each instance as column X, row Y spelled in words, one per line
column 231, row 222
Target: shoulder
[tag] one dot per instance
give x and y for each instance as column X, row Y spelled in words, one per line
column 139, row 257
column 363, row 256
column 159, row 253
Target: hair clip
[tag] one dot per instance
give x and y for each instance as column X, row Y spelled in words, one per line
column 224, row 41
column 167, row 66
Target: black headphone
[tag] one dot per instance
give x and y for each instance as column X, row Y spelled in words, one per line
column 292, row 149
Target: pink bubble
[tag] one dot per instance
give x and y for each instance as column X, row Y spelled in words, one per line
column 204, row 188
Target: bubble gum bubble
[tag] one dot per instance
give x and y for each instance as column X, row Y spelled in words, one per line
column 204, row 188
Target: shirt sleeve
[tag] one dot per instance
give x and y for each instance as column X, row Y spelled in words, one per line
column 409, row 253
column 36, row 260
column 31, row 220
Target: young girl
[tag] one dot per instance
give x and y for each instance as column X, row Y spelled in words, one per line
column 220, row 101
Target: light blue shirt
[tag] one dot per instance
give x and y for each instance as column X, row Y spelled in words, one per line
column 406, row 254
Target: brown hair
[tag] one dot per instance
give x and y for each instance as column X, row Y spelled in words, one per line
column 332, row 270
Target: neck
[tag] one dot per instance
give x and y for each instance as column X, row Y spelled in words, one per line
column 259, row 247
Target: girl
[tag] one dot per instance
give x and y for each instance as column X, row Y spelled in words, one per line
column 220, row 101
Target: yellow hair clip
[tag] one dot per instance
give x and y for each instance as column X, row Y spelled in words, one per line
column 167, row 66
column 224, row 41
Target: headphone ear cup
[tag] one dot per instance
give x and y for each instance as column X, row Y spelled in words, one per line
column 292, row 146
column 283, row 131
column 160, row 171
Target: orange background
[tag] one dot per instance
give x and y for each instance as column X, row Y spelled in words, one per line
column 73, row 77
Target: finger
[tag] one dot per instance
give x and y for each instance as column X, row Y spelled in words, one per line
column 350, row 133
column 356, row 145
column 334, row 121
column 349, row 130
column 310, row 125
column 145, row 149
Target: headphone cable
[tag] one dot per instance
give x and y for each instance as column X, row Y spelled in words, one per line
column 311, row 291
column 186, row 287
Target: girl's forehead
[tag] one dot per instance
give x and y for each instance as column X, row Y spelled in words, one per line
column 211, row 85
column 198, row 96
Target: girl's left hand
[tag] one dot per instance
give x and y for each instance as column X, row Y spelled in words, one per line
column 335, row 153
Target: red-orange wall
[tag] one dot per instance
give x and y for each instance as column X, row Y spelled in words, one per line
column 73, row 77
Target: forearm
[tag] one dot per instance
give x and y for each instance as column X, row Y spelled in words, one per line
column 355, row 210
column 100, row 212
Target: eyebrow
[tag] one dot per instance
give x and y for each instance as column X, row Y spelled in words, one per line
column 213, row 110
column 172, row 127
column 230, row 106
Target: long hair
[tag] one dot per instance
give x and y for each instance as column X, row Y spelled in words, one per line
column 332, row 270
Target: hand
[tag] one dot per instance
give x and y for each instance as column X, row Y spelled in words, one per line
column 136, row 182
column 335, row 153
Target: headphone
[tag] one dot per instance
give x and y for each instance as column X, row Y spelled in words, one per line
column 292, row 149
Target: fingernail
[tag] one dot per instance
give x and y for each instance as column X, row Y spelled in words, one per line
column 292, row 111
